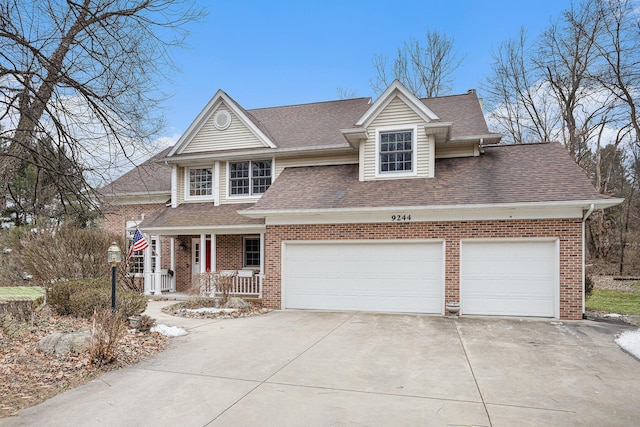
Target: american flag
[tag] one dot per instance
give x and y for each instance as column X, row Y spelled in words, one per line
column 139, row 243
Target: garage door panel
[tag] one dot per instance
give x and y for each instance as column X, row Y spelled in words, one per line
column 372, row 276
column 515, row 278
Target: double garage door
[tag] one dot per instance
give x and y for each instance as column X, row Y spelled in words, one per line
column 497, row 277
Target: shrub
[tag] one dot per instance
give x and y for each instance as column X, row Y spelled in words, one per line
column 59, row 294
column 82, row 303
column 108, row 329
column 588, row 286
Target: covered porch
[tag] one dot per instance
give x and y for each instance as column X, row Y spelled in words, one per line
column 191, row 241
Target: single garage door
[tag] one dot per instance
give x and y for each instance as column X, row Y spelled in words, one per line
column 510, row 278
column 398, row 276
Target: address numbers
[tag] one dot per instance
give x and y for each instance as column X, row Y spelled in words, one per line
column 400, row 218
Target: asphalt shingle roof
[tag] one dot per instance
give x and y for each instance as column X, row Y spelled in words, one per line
column 152, row 176
column 199, row 214
column 503, row 174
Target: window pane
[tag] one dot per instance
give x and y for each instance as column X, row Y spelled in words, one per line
column 396, row 150
column 252, row 252
column 239, row 178
column 200, row 182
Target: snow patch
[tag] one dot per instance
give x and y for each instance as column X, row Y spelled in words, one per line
column 212, row 310
column 613, row 315
column 169, row 331
column 630, row 342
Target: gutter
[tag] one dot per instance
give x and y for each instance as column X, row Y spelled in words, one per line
column 584, row 248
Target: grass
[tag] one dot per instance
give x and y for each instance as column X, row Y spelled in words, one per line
column 616, row 301
column 20, row 292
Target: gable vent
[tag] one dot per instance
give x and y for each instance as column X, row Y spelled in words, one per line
column 222, row 120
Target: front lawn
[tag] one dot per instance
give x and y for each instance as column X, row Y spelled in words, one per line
column 622, row 301
column 20, row 293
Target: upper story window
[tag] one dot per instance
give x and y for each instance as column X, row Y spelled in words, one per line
column 249, row 178
column 200, row 182
column 396, row 151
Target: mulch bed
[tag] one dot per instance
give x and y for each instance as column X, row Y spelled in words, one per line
column 183, row 309
column 28, row 377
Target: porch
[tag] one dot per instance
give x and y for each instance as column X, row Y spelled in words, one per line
column 192, row 239
column 244, row 283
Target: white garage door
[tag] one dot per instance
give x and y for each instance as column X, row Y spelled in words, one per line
column 398, row 276
column 512, row 278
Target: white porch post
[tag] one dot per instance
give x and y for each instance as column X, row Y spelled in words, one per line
column 172, row 265
column 213, row 252
column 261, row 253
column 203, row 253
column 157, row 275
column 148, row 274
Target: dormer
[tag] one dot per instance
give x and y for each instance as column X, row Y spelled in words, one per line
column 400, row 135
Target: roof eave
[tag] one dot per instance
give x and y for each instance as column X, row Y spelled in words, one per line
column 583, row 204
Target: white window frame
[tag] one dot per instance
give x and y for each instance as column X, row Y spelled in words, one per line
column 414, row 151
column 251, row 178
column 244, row 252
column 130, row 229
column 187, row 183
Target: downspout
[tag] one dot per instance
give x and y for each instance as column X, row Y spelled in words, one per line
column 584, row 247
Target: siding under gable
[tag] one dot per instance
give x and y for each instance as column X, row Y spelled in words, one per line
column 397, row 113
column 236, row 136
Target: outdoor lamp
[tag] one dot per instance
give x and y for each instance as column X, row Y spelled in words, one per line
column 114, row 256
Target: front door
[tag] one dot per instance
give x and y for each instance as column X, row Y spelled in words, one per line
column 196, row 256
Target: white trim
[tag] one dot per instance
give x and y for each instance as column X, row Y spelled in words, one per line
column 216, row 183
column 361, row 159
column 396, row 89
column 522, row 210
column 285, row 243
column 250, row 196
column 207, row 112
column 431, row 140
column 556, row 271
column 414, row 152
column 281, row 152
column 244, row 252
column 203, row 253
column 187, row 184
column 174, row 186
column 198, row 229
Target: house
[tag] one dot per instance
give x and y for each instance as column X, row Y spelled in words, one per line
column 397, row 205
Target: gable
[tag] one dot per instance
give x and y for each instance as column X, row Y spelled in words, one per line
column 399, row 116
column 222, row 125
column 213, row 137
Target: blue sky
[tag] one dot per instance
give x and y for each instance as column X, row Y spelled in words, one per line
column 288, row 52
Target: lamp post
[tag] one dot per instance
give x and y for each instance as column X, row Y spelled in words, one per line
column 114, row 256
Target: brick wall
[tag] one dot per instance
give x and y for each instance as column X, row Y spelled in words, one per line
column 116, row 217
column 569, row 232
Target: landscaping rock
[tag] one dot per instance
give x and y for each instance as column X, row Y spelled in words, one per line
column 63, row 343
column 235, row 302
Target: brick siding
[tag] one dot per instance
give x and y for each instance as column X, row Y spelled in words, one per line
column 569, row 232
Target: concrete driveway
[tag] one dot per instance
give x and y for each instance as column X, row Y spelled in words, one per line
column 297, row 368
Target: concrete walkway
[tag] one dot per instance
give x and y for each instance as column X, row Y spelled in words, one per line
column 296, row 368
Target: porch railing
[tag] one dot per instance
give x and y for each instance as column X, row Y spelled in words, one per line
column 243, row 282
column 158, row 282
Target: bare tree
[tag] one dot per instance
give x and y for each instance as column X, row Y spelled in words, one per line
column 83, row 74
column 521, row 104
column 425, row 69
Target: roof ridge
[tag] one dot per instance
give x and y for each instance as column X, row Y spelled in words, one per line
column 309, row 103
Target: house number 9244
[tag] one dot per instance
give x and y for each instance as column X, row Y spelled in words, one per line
column 400, row 218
